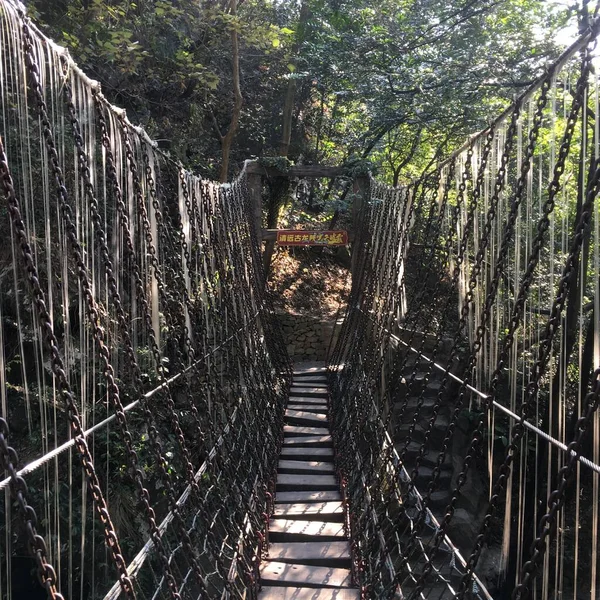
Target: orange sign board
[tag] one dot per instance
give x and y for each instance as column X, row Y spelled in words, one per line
column 299, row 237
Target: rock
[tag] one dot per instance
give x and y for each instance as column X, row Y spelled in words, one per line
column 488, row 567
column 463, row 529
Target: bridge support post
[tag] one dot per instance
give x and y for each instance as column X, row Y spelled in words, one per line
column 360, row 188
column 255, row 189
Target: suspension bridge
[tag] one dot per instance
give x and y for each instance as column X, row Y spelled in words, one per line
column 158, row 443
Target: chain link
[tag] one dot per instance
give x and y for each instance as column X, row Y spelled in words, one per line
column 111, row 538
column 8, row 456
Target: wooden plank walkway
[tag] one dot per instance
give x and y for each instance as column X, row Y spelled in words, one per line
column 309, row 554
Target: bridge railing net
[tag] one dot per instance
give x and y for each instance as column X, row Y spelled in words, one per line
column 142, row 374
column 475, row 312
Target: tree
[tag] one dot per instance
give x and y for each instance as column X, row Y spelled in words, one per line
column 227, row 138
column 325, row 81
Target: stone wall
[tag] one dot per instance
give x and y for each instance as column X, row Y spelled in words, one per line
column 307, row 337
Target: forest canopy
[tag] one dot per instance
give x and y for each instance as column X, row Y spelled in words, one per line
column 396, row 82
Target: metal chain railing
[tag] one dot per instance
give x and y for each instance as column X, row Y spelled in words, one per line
column 178, row 346
column 381, row 384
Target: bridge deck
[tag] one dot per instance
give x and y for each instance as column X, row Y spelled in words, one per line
column 309, row 553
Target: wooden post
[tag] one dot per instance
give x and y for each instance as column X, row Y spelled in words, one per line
column 360, row 188
column 268, row 255
column 255, row 189
column 255, row 171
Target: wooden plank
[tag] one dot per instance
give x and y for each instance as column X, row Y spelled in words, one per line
column 314, row 370
column 297, row 530
column 254, row 167
column 309, row 391
column 320, row 385
column 271, row 235
column 313, row 408
column 309, row 378
column 309, row 466
column 323, row 454
column 289, row 483
column 295, row 430
column 306, row 400
column 324, row 511
column 278, row 573
column 307, row 496
column 308, row 442
column 302, row 417
column 360, row 187
column 300, row 593
column 312, row 553
column 255, row 191
column 318, row 374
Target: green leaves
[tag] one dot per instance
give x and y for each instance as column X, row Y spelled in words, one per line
column 363, row 72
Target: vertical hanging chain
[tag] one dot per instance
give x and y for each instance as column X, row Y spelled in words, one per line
column 471, row 213
column 191, row 553
column 111, row 538
column 537, row 244
column 475, row 271
column 480, row 333
column 8, row 456
column 429, row 306
column 556, row 499
column 473, row 205
column 424, row 297
column 153, row 255
column 112, row 389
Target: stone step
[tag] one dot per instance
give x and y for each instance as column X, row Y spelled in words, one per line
column 436, row 436
column 425, row 474
column 440, row 499
column 276, row 573
column 429, row 458
column 311, row 511
column 433, row 591
column 307, row 496
column 423, row 406
column 300, row 530
column 304, row 466
column 292, row 483
column 425, row 342
column 322, row 454
column 320, row 441
column 330, row 554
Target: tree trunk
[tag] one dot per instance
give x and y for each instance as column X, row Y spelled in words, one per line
column 290, row 95
column 411, row 152
column 286, row 133
column 238, row 99
column 278, row 186
column 288, row 114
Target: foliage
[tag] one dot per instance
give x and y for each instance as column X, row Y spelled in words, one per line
column 396, row 81
column 281, row 163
